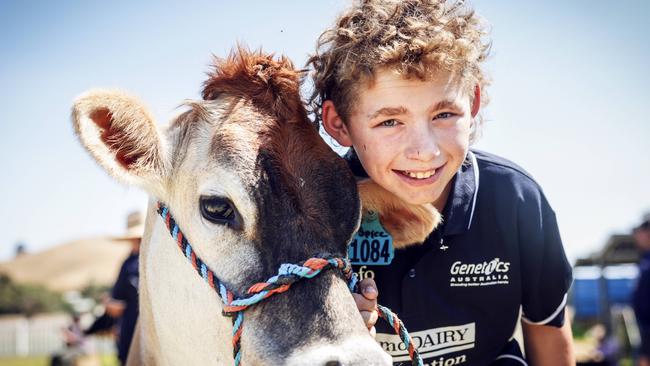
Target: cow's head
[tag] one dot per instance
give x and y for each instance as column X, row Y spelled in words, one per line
column 252, row 185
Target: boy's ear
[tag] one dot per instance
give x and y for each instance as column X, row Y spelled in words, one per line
column 406, row 223
column 120, row 133
column 476, row 103
column 334, row 125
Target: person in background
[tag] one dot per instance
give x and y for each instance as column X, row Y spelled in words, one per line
column 642, row 293
column 76, row 346
column 104, row 324
column 73, row 335
column 123, row 303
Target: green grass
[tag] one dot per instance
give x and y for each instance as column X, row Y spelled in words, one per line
column 107, row 360
column 24, row 361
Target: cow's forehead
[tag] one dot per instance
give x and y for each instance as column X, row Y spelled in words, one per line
column 238, row 135
column 226, row 132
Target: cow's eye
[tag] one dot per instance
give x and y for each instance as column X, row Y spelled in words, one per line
column 220, row 210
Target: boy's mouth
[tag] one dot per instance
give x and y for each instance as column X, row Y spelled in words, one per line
column 420, row 177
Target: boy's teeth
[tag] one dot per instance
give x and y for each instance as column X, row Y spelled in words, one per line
column 420, row 175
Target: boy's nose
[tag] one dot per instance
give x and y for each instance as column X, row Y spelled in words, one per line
column 422, row 146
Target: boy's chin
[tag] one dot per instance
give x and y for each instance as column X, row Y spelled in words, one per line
column 411, row 195
column 417, row 199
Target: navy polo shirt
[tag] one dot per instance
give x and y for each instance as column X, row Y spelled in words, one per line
column 496, row 256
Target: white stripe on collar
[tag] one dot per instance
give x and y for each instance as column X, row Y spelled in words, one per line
column 475, row 167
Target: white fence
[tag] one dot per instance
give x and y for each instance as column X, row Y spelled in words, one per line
column 40, row 335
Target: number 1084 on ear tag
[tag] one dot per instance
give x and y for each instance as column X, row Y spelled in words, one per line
column 372, row 244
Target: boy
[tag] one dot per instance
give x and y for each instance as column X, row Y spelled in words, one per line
column 400, row 83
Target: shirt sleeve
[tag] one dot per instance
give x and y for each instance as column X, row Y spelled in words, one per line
column 546, row 272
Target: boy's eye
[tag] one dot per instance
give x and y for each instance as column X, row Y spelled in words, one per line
column 443, row 115
column 388, row 123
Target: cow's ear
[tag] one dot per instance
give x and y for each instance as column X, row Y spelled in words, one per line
column 407, row 224
column 119, row 132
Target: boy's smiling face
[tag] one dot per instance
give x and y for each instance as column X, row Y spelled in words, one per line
column 410, row 135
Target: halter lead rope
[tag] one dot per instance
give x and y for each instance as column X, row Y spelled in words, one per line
column 287, row 275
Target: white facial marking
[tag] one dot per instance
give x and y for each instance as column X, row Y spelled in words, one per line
column 229, row 253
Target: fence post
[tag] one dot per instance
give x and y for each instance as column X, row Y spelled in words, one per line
column 22, row 337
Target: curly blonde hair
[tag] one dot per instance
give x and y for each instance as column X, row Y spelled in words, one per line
column 416, row 38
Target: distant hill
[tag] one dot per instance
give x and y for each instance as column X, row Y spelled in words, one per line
column 70, row 266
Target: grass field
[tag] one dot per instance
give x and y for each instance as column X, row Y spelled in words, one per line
column 106, row 360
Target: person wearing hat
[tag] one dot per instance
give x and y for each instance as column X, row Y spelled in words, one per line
column 123, row 304
column 642, row 292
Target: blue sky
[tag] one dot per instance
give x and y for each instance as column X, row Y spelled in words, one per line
column 568, row 100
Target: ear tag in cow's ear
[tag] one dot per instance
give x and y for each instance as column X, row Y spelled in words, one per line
column 372, row 244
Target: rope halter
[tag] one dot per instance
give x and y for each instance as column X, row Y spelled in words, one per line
column 287, row 275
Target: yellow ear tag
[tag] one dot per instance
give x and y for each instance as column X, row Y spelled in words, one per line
column 372, row 244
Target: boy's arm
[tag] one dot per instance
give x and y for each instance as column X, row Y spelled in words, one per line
column 115, row 308
column 549, row 345
column 546, row 278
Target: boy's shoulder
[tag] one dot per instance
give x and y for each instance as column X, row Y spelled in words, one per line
column 498, row 164
column 499, row 170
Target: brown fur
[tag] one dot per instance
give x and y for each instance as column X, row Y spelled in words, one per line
column 298, row 142
column 273, row 85
column 406, row 223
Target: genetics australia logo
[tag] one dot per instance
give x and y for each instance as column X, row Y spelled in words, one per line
column 486, row 273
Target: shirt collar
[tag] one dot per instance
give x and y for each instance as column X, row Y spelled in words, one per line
column 459, row 209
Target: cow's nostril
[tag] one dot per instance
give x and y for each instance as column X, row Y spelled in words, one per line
column 333, row 363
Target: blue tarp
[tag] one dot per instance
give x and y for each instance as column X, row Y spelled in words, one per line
column 585, row 292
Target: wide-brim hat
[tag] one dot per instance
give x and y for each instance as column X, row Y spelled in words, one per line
column 134, row 226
